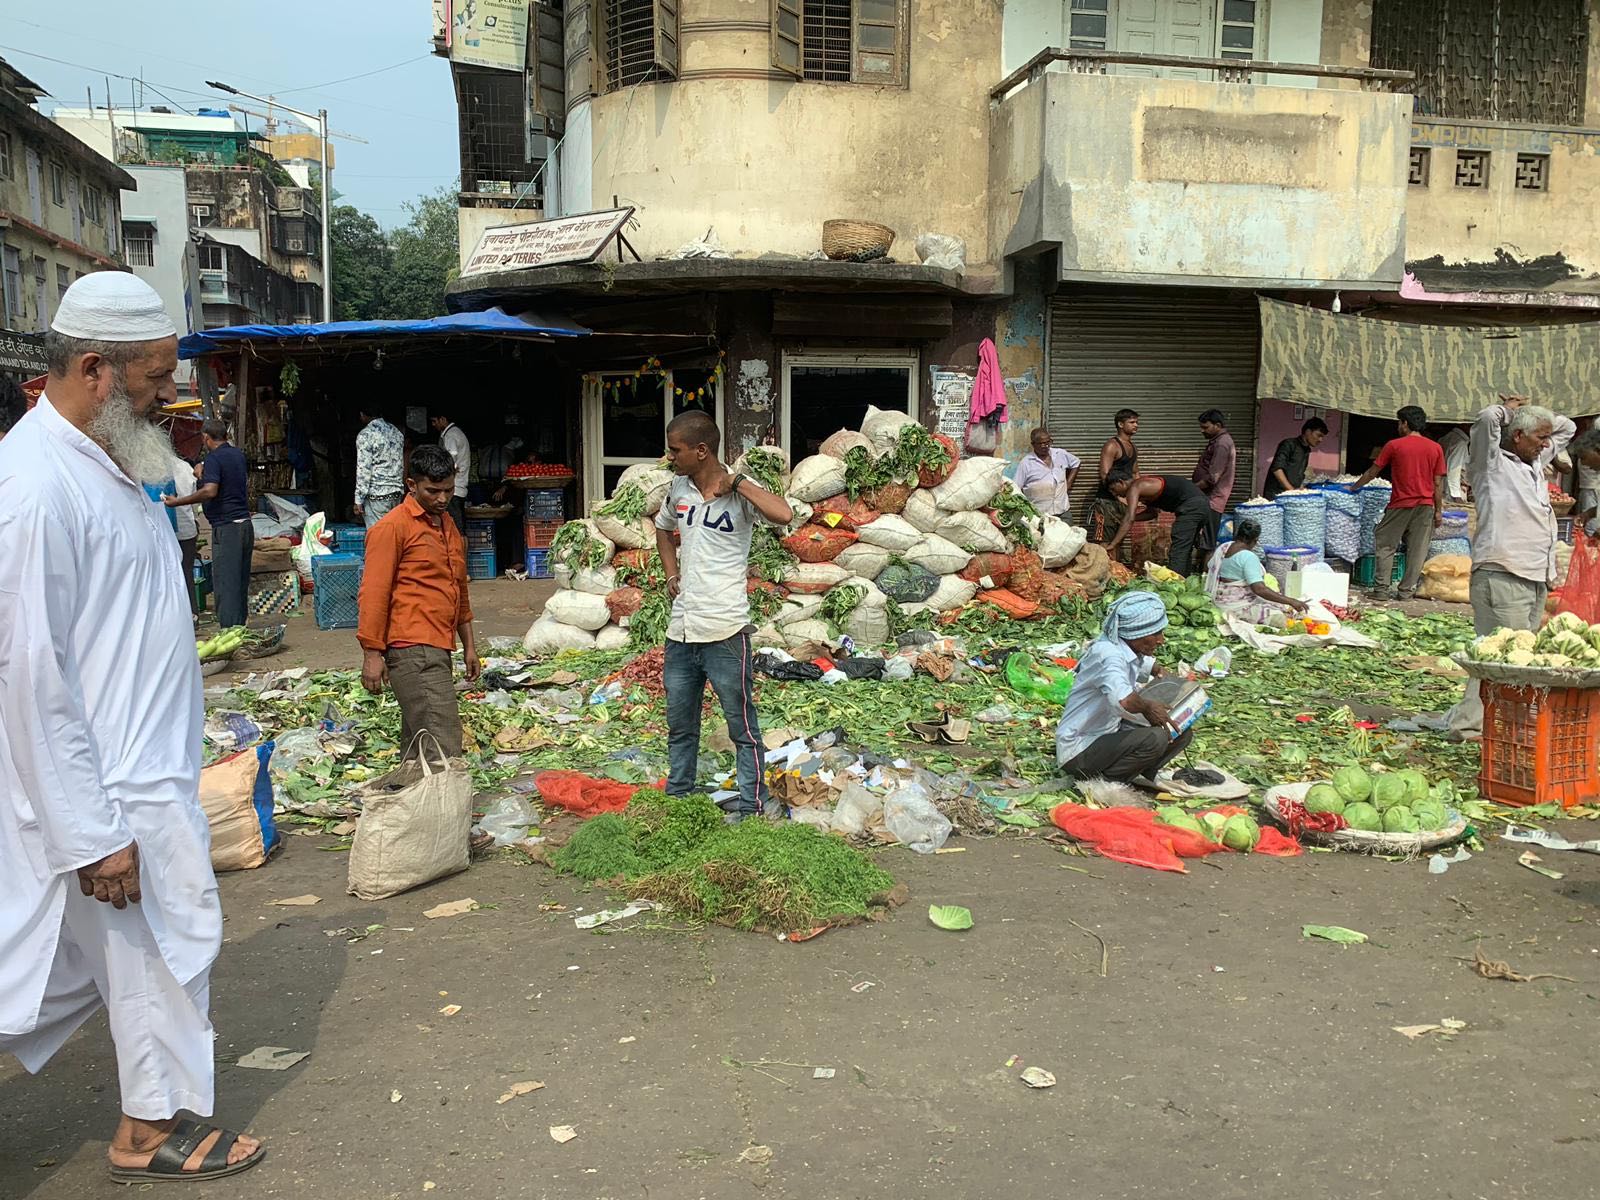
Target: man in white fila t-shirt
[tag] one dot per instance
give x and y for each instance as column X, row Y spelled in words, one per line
column 713, row 512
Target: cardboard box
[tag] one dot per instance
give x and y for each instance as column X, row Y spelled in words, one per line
column 1331, row 587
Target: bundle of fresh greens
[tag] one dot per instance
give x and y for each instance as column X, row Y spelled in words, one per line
column 626, row 505
column 766, row 467
column 576, row 548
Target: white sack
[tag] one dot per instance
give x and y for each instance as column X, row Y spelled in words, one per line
column 817, row 478
column 883, row 428
column 612, row 637
column 1059, row 542
column 807, row 631
column 863, row 558
column 584, row 610
column 972, row 531
column 548, row 635
column 825, row 575
column 599, row 581
column 626, row 536
column 937, row 554
column 921, row 511
column 971, row 485
column 796, row 608
column 837, row 445
column 891, row 533
column 952, row 592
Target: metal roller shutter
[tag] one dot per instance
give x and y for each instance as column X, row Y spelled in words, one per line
column 1170, row 355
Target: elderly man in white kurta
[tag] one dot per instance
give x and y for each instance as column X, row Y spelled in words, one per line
column 108, row 897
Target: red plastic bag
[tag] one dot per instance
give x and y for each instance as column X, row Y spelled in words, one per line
column 583, row 794
column 932, row 477
column 1580, row 594
column 1027, row 574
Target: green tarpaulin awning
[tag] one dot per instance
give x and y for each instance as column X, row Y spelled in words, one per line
column 1371, row 368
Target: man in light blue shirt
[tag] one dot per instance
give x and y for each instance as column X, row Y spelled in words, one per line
column 1098, row 736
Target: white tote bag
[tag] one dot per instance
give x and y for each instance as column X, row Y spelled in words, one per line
column 414, row 824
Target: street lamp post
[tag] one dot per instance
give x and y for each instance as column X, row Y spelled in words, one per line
column 321, row 118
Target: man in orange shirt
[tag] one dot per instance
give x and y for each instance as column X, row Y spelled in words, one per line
column 414, row 604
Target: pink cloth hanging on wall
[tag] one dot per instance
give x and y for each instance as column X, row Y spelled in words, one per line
column 988, row 390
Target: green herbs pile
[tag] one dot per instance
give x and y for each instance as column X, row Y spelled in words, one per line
column 677, row 851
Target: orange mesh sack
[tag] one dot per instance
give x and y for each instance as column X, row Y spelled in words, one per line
column 1580, row 594
column 841, row 512
column 818, row 543
column 583, row 794
column 1013, row 605
column 1027, row 574
column 996, row 566
column 887, row 497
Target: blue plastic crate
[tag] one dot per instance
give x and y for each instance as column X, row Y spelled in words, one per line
column 349, row 539
column 480, row 533
column 544, row 504
column 537, row 563
column 336, row 590
column 481, row 564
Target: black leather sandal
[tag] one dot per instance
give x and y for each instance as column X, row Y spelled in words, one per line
column 167, row 1163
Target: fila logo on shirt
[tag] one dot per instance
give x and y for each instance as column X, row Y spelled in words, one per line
column 721, row 522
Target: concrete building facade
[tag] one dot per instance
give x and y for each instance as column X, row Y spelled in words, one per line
column 1127, row 177
column 60, row 208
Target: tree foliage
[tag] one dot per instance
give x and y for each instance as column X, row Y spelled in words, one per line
column 400, row 274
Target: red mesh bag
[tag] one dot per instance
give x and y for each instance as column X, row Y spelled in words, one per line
column 1580, row 594
column 996, row 566
column 1133, row 835
column 841, row 512
column 754, row 585
column 1027, row 574
column 931, row 477
column 887, row 497
column 624, row 602
column 818, row 543
column 583, row 794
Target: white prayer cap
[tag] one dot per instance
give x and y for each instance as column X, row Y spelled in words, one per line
column 113, row 306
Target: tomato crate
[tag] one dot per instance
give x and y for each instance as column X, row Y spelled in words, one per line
column 1539, row 745
column 537, row 535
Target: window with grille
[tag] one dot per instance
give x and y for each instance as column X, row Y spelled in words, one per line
column 94, row 205
column 841, row 41
column 1472, row 168
column 1492, row 60
column 1088, row 24
column 641, row 41
column 63, row 281
column 58, row 184
column 1533, row 172
column 11, row 260
column 827, row 41
column 5, row 155
column 139, row 241
column 1421, row 161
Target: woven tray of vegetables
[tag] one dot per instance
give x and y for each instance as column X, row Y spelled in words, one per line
column 1563, row 654
column 1396, row 812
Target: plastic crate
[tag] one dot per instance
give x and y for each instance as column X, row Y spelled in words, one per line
column 273, row 595
column 349, row 539
column 480, row 533
column 542, row 504
column 336, row 590
column 537, row 563
column 1564, row 529
column 1539, row 745
column 537, row 535
column 1367, row 569
column 481, row 564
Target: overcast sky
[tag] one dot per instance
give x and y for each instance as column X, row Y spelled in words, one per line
column 293, row 52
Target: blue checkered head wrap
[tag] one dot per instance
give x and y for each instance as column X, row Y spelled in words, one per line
column 1134, row 615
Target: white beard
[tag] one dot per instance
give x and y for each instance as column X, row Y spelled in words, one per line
column 136, row 444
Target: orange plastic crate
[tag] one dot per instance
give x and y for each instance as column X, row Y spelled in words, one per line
column 537, row 535
column 1540, row 746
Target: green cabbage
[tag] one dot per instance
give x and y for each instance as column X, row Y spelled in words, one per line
column 1178, row 818
column 1416, row 785
column 1399, row 819
column 1324, row 798
column 1363, row 816
column 1354, row 784
column 1241, row 833
column 1388, row 791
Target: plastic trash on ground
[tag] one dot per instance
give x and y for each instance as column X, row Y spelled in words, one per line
column 508, row 820
column 911, row 817
column 856, row 809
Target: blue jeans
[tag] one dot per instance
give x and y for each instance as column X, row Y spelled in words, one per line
column 726, row 664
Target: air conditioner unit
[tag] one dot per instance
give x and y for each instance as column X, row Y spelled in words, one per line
column 297, row 245
column 200, row 211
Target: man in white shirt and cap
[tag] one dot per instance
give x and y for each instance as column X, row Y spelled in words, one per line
column 109, row 898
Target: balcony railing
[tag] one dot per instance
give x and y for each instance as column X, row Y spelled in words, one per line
column 1229, row 70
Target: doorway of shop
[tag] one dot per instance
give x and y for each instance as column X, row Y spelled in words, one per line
column 824, row 393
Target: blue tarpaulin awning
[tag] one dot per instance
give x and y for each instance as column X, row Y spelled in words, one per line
column 493, row 322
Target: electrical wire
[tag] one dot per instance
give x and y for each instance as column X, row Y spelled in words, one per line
column 312, row 87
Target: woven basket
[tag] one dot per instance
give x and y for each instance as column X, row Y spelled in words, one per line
column 1360, row 840
column 1534, row 677
column 855, row 241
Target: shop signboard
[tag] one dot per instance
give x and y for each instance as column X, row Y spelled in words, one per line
column 560, row 240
